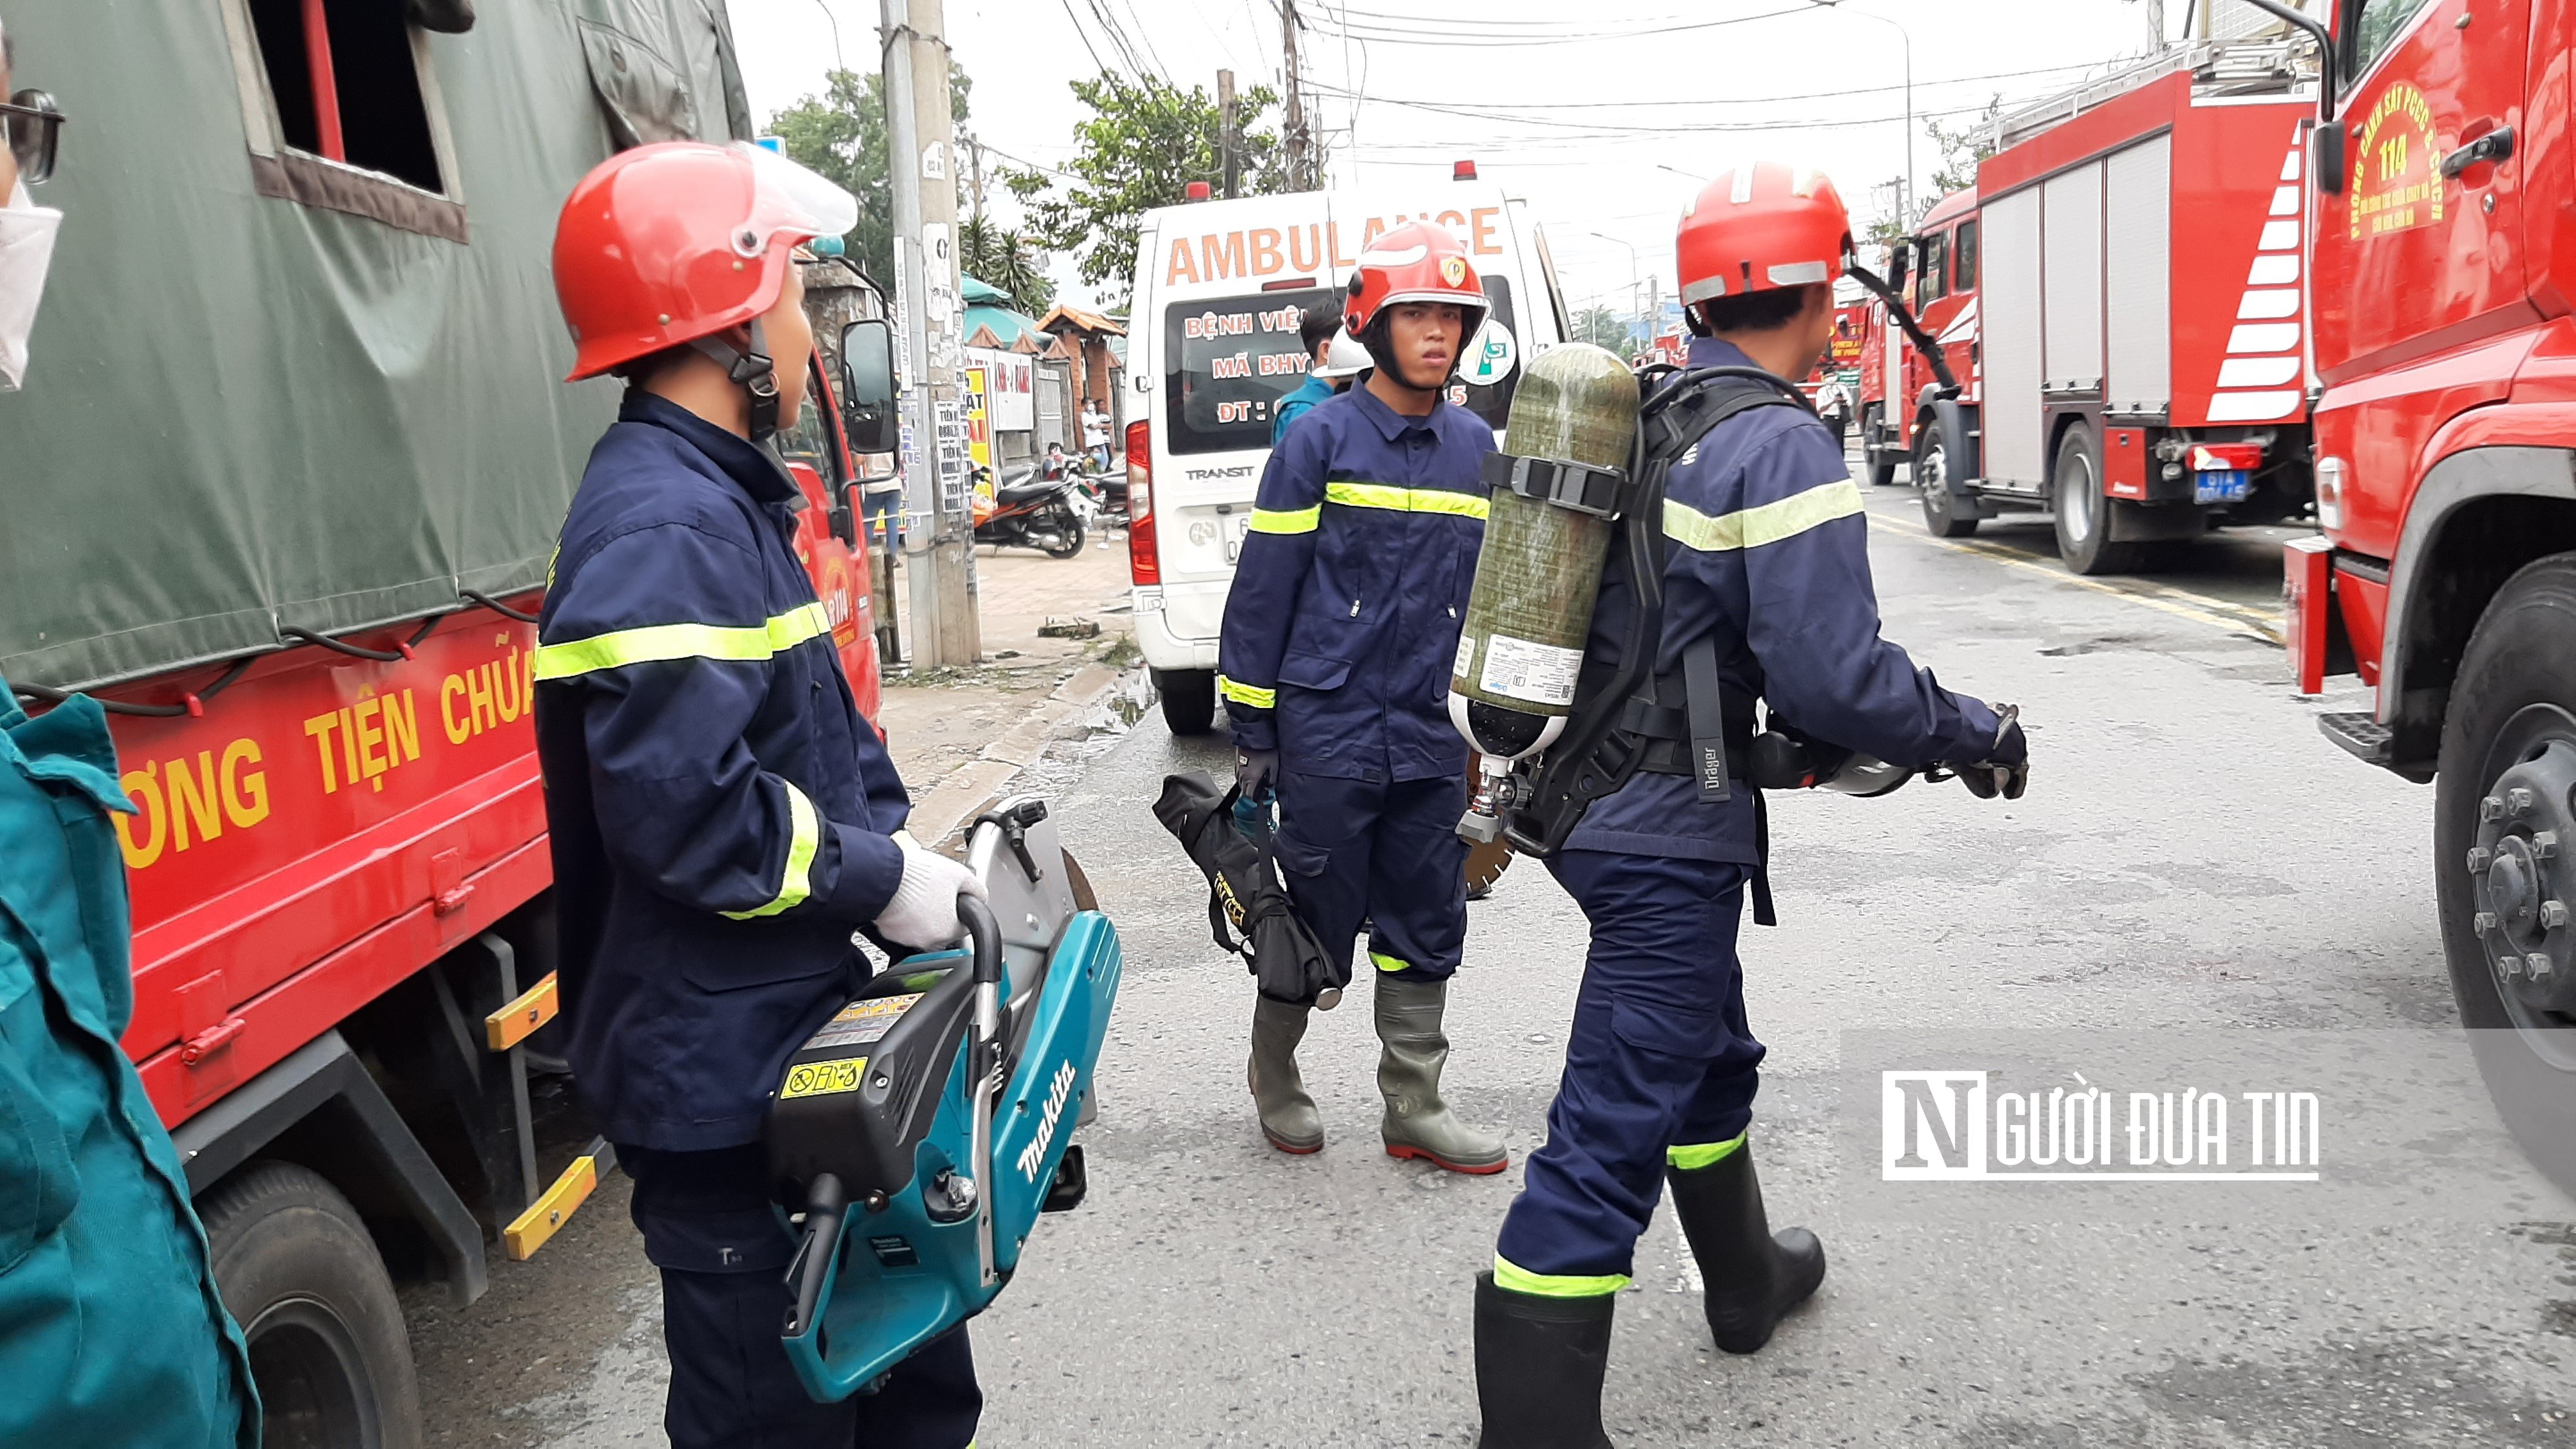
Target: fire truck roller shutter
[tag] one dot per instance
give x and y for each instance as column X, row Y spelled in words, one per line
column 2014, row 447
column 2138, row 252
column 2071, row 241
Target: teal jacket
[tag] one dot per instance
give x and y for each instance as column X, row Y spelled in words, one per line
column 110, row 1329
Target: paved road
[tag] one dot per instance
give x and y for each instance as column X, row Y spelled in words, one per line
column 2192, row 855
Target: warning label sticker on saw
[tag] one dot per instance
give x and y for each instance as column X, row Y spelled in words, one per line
column 824, row 1079
column 862, row 1022
column 1523, row 669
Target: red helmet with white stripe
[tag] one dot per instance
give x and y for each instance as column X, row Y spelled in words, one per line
column 1416, row 262
column 1763, row 225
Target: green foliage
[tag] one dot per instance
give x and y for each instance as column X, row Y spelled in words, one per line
column 841, row 135
column 1962, row 147
column 1145, row 142
column 1603, row 327
column 1007, row 259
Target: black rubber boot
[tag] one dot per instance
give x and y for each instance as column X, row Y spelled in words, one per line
column 1539, row 1363
column 1753, row 1276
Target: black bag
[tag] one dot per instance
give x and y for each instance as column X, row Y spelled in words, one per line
column 1244, row 890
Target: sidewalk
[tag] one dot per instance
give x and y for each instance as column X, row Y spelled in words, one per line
column 960, row 735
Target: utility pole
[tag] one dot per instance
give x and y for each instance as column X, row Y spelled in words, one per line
column 1225, row 131
column 937, row 539
column 1293, row 120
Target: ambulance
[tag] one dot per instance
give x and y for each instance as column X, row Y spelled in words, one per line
column 1221, row 289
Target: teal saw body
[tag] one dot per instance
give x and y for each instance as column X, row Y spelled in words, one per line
column 1546, row 537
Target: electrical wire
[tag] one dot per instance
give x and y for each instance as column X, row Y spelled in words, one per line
column 1769, row 100
column 1084, row 36
column 1462, row 37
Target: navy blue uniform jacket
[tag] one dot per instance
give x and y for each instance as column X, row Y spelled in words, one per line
column 721, row 815
column 1343, row 621
column 1767, row 549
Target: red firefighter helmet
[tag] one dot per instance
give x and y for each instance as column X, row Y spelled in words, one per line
column 1763, row 225
column 1416, row 262
column 679, row 240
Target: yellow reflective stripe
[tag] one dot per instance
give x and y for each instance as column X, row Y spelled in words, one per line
column 1405, row 500
column 1389, row 963
column 797, row 881
column 1247, row 694
column 1754, row 527
column 1703, row 1154
column 1511, row 1275
column 1366, row 495
column 657, row 642
column 1289, row 520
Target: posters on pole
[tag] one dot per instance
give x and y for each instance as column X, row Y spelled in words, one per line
column 954, row 459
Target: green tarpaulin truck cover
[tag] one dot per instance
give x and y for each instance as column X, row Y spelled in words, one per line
column 270, row 391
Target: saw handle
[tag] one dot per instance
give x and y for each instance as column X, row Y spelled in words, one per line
column 824, row 1204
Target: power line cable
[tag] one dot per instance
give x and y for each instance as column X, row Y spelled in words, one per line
column 1767, row 100
column 1463, row 38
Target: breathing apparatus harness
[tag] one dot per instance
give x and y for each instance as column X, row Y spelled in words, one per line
column 1626, row 718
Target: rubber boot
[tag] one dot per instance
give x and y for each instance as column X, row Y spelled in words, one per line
column 1753, row 1276
column 1418, row 1123
column 1288, row 1116
column 1539, row 1363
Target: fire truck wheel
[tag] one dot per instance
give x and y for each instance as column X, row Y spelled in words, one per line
column 1880, row 463
column 2510, row 737
column 1945, row 514
column 2083, row 509
column 327, row 1343
column 1189, row 699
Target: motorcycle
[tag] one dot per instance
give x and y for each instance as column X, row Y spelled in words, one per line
column 1028, row 510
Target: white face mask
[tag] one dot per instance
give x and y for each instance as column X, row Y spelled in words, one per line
column 26, row 250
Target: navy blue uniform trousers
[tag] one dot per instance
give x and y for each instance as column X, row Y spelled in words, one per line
column 723, row 1253
column 1660, row 1059
column 1354, row 850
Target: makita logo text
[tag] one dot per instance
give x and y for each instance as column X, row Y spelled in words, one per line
column 1057, row 1092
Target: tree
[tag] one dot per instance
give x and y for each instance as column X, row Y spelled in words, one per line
column 1962, row 147
column 1007, row 259
column 1145, row 142
column 1603, row 327
column 841, row 135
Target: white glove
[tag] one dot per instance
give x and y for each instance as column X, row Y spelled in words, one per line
column 923, row 913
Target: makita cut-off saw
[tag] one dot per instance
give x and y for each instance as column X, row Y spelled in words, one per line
column 927, row 1124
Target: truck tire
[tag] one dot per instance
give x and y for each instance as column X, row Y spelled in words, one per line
column 1945, row 514
column 2513, row 707
column 327, row 1343
column 1189, row 699
column 2083, row 510
column 1879, row 463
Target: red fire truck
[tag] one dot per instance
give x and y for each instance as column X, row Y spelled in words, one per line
column 1940, row 273
column 2123, row 286
column 296, row 482
column 2446, row 488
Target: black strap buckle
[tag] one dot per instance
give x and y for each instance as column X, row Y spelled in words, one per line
column 1578, row 486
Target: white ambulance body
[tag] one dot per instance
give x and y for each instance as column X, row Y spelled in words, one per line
column 1221, row 287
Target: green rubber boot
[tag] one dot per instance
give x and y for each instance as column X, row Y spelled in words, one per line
column 1418, row 1123
column 1288, row 1116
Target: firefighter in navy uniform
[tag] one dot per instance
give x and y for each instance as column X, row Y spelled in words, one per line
column 1766, row 566
column 722, row 817
column 1334, row 666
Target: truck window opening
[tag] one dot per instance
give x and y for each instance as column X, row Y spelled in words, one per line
column 2376, row 27
column 1934, row 283
column 1965, row 264
column 382, row 119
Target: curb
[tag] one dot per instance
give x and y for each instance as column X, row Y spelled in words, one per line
column 983, row 781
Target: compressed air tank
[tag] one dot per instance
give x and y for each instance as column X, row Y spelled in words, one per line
column 1538, row 574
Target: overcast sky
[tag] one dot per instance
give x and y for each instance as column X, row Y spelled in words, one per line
column 1576, row 107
